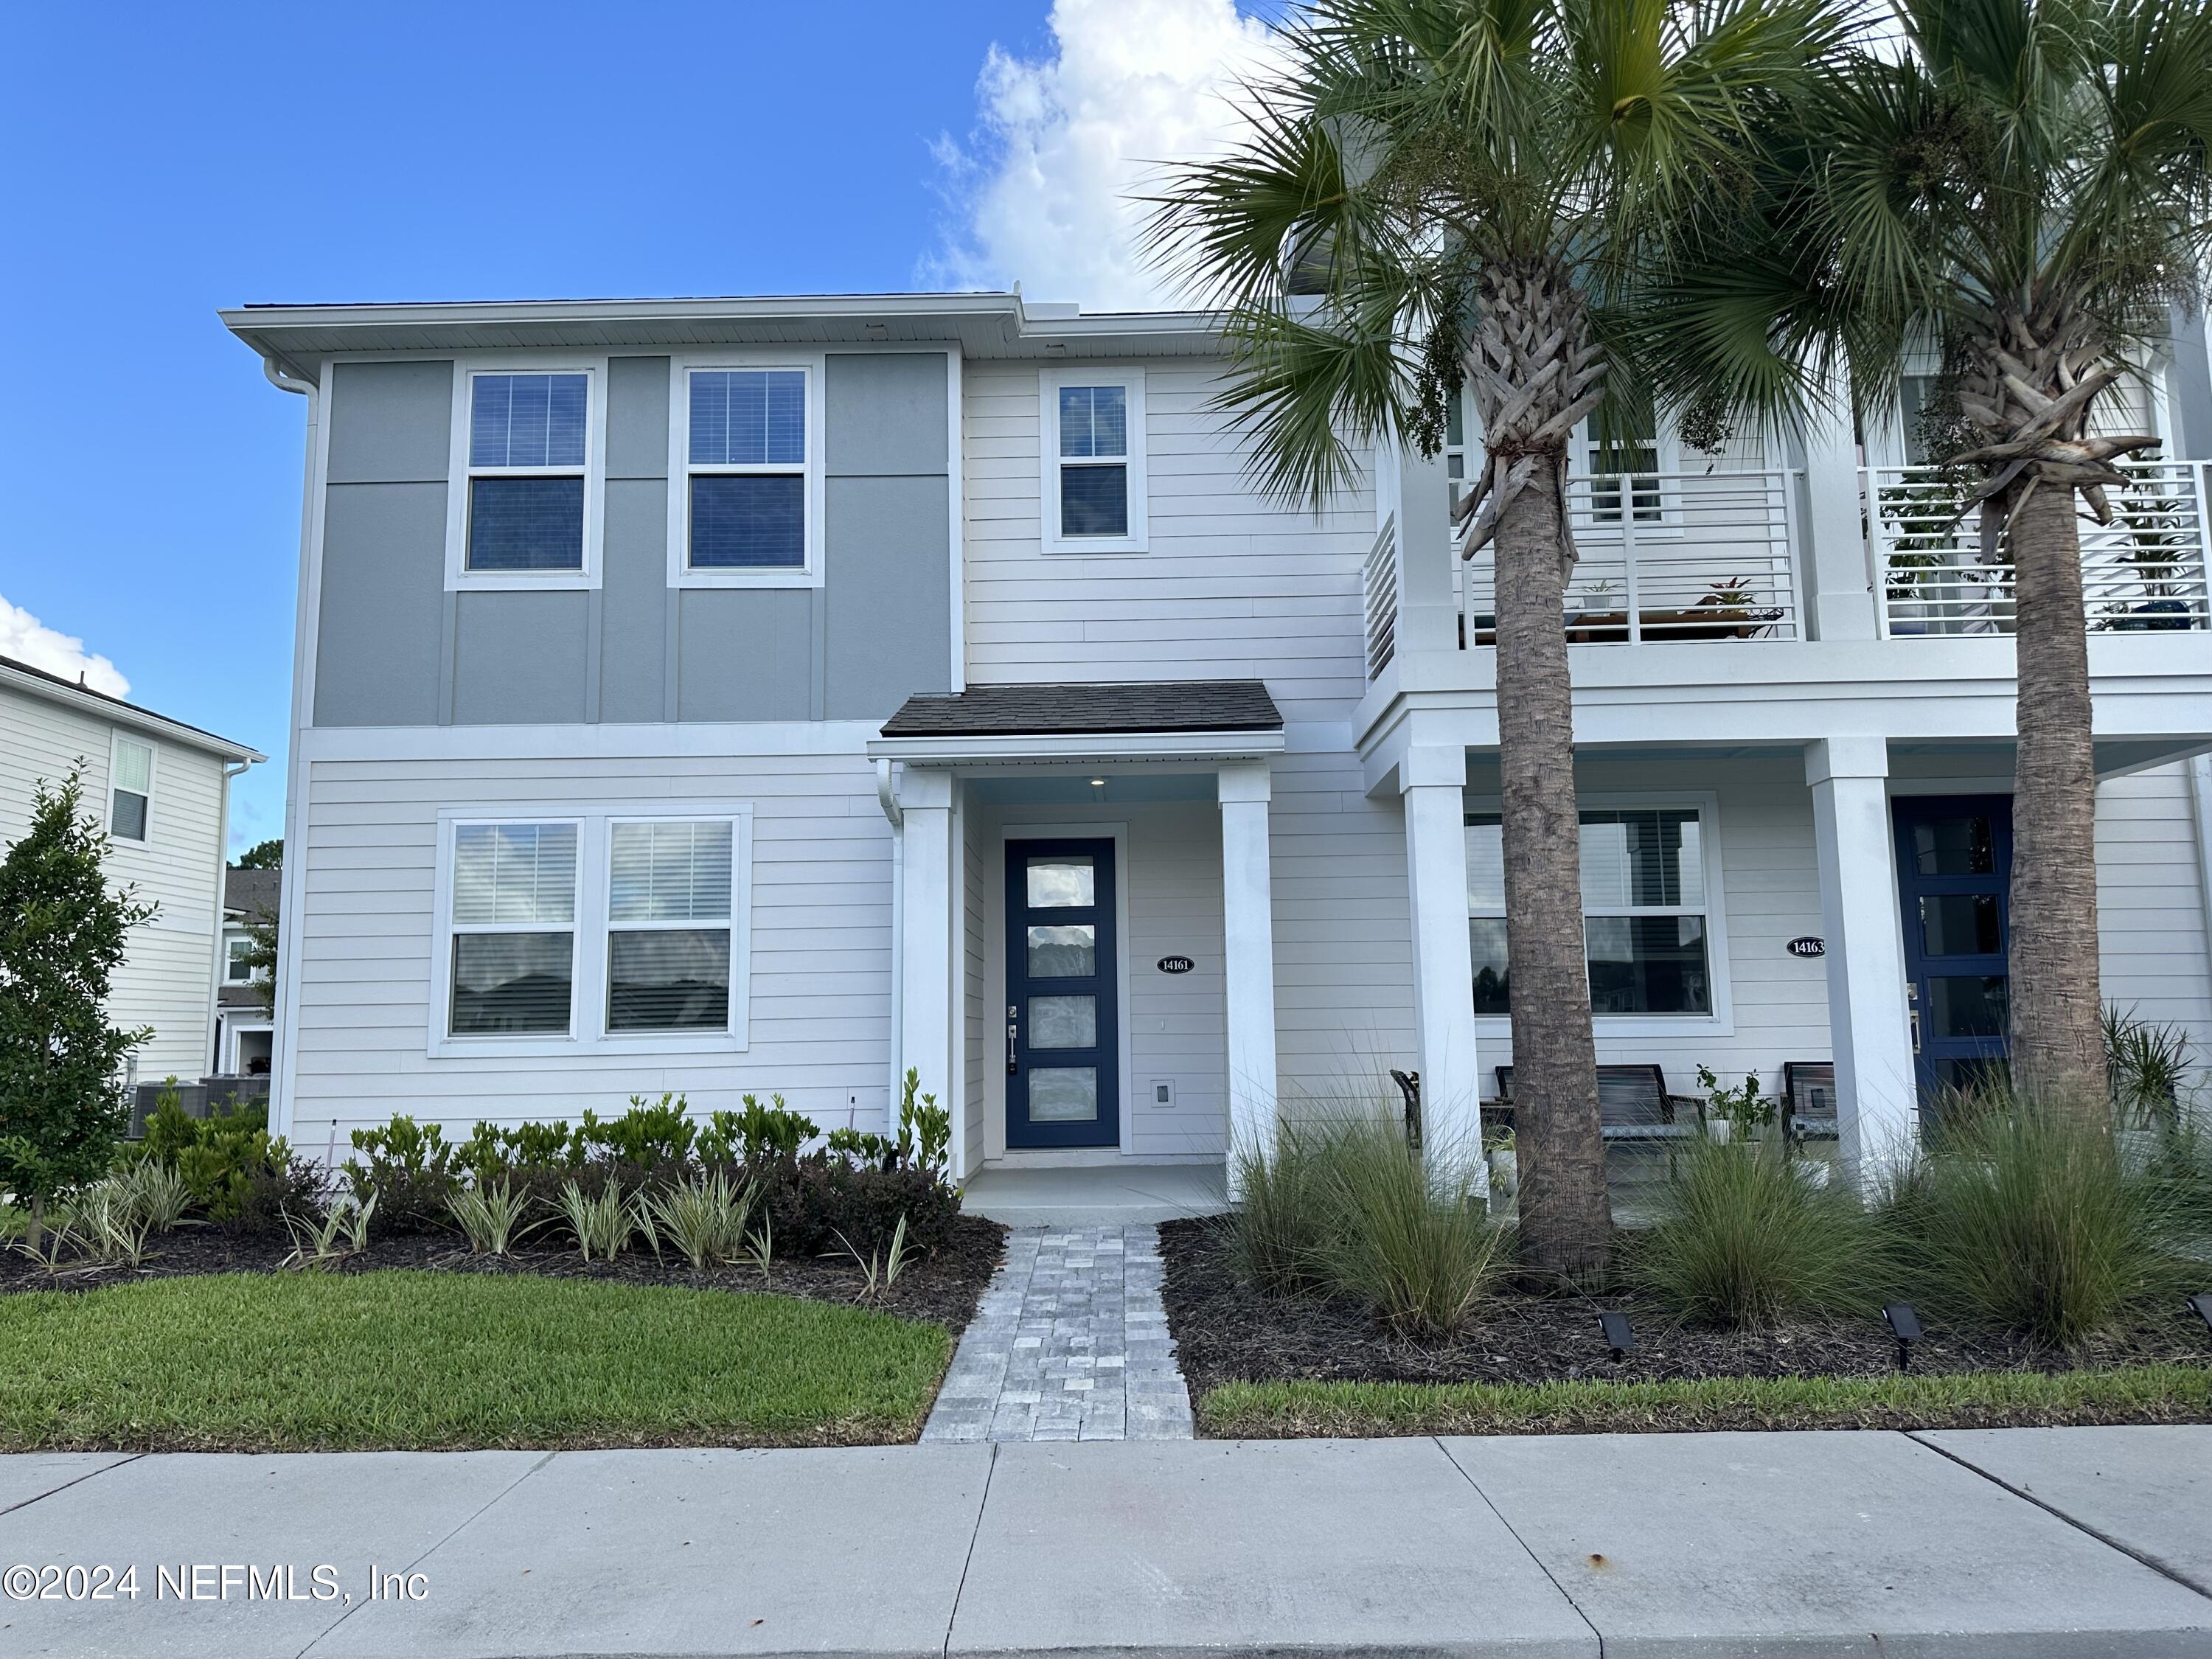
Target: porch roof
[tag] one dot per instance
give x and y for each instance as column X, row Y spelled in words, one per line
column 1070, row 710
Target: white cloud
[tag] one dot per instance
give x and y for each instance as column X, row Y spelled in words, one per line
column 27, row 638
column 1043, row 187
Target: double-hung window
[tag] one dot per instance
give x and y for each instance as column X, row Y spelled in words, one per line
column 238, row 961
column 745, row 478
column 598, row 928
column 513, row 944
column 1623, row 456
column 131, row 802
column 1650, row 922
column 525, row 505
column 1094, row 461
column 669, row 925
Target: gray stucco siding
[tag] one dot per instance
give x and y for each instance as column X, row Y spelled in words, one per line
column 519, row 659
column 391, row 423
column 637, row 417
column 636, row 602
column 377, row 640
column 746, row 654
column 885, row 414
column 890, row 594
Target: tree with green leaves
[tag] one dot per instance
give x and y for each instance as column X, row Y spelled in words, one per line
column 1464, row 192
column 2019, row 191
column 63, row 934
column 263, row 855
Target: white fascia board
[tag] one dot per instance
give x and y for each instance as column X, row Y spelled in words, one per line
column 1080, row 747
column 116, row 712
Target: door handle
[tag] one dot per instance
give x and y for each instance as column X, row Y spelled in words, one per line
column 1013, row 1039
column 1914, row 1016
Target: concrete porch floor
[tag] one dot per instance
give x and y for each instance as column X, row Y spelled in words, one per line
column 1096, row 1195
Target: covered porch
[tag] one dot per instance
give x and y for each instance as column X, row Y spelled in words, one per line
column 1083, row 956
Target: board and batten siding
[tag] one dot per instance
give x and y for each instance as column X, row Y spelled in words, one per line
column 167, row 979
column 820, row 1002
column 1233, row 586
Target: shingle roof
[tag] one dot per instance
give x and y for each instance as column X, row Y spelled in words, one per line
column 1052, row 710
column 41, row 676
column 252, row 892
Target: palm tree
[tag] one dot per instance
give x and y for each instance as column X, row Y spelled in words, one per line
column 2019, row 189
column 1457, row 187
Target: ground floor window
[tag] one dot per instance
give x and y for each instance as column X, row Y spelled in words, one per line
column 598, row 928
column 1646, row 921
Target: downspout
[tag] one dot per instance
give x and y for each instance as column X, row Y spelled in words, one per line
column 221, row 885
column 292, row 886
column 887, row 798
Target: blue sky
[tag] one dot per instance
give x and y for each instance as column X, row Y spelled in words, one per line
column 164, row 160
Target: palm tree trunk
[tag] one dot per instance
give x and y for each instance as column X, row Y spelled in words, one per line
column 1565, row 1224
column 2057, row 1034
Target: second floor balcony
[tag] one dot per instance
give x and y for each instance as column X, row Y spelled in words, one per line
column 1724, row 555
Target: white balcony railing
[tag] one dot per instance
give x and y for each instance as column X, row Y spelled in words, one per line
column 2143, row 572
column 1684, row 557
column 1379, row 587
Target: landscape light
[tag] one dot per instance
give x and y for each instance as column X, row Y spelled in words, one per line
column 1618, row 1336
column 1903, row 1325
column 2201, row 1305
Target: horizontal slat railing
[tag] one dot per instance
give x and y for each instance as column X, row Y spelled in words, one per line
column 2143, row 572
column 1668, row 556
column 1379, row 584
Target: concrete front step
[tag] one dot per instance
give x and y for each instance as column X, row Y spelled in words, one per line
column 1095, row 1195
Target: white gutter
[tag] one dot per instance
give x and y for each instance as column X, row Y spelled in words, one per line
column 887, row 796
column 113, row 711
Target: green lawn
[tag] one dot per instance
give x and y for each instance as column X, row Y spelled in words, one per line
column 386, row 1360
column 2149, row 1394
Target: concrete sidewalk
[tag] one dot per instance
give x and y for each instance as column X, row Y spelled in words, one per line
column 2025, row 1543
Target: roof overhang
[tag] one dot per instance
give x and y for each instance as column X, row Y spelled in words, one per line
column 982, row 324
column 1077, row 748
column 35, row 683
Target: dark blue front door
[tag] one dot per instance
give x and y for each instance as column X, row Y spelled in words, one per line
column 1063, row 1075
column 1954, row 873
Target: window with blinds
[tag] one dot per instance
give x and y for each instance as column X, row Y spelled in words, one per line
column 513, row 928
column 131, row 800
column 528, row 442
column 669, row 887
column 745, row 460
column 1094, row 460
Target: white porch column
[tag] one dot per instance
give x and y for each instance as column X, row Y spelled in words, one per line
column 927, row 939
column 1836, row 587
column 1249, row 937
column 1876, row 1092
column 1433, row 779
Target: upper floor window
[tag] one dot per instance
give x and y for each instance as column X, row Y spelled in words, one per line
column 238, row 960
column 746, row 472
column 1621, row 454
column 526, row 499
column 132, row 800
column 1094, row 461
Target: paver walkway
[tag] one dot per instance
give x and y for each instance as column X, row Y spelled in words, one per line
column 1069, row 1342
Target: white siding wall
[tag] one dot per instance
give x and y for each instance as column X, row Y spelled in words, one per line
column 821, row 947
column 981, row 1027
column 1233, row 587
column 2150, row 919
column 168, row 981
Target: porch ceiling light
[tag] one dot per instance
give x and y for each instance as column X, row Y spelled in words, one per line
column 1903, row 1325
column 1097, row 783
column 2201, row 1305
column 1614, row 1325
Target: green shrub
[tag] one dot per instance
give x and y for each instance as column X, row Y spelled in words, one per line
column 490, row 1215
column 409, row 1169
column 756, row 1136
column 237, row 1175
column 648, row 1136
column 1744, row 1239
column 2024, row 1219
column 1277, row 1231
column 602, row 1222
column 817, row 1202
column 704, row 1220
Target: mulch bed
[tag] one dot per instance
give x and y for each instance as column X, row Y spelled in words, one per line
column 940, row 1288
column 1227, row 1333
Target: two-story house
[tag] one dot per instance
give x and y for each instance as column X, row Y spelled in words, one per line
column 778, row 694
column 161, row 791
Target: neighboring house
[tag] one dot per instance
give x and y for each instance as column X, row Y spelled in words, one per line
column 245, row 1029
column 161, row 789
column 747, row 695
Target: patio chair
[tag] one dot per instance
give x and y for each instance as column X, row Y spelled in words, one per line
column 1632, row 1104
column 1808, row 1101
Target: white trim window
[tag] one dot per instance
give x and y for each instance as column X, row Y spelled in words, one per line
column 130, row 789
column 1629, row 450
column 561, row 930
column 512, row 917
column 238, row 967
column 745, row 502
column 1651, row 914
column 1093, row 460
column 527, row 442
